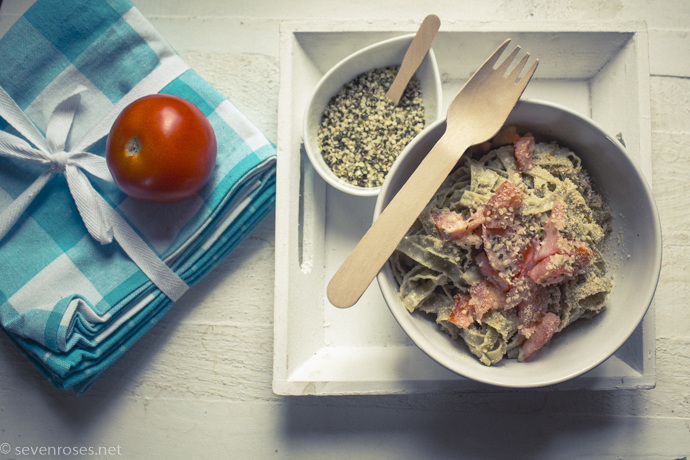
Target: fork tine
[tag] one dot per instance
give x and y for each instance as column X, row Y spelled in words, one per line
column 488, row 65
column 513, row 76
column 526, row 78
column 507, row 61
column 497, row 54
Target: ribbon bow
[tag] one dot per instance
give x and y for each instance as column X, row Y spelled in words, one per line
column 101, row 220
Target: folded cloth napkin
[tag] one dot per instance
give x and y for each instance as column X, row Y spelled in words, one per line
column 85, row 270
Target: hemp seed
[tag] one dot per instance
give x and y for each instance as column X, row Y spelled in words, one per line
column 362, row 132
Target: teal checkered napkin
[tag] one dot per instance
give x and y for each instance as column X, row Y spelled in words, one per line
column 70, row 300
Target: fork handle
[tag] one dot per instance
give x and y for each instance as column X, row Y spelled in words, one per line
column 414, row 56
column 373, row 250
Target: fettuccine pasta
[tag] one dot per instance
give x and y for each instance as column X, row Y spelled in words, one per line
column 507, row 253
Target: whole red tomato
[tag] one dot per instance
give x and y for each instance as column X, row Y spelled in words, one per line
column 161, row 148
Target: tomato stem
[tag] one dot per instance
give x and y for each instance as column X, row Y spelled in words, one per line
column 133, row 146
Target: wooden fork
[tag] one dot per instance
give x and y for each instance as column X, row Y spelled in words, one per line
column 475, row 115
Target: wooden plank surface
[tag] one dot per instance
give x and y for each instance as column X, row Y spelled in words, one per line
column 199, row 384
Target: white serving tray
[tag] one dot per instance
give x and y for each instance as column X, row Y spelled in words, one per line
column 600, row 71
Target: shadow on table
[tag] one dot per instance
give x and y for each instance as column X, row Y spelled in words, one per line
column 496, row 425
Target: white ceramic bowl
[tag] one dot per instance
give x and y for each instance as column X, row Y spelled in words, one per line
column 636, row 232
column 383, row 54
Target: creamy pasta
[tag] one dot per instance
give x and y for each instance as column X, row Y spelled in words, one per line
column 507, row 253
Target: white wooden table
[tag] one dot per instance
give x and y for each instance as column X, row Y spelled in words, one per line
column 199, row 383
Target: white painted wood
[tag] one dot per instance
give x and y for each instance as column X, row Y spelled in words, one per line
column 364, row 350
column 199, row 384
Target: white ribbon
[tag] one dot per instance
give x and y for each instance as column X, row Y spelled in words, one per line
column 101, row 220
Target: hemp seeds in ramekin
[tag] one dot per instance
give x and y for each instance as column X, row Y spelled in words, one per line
column 362, row 132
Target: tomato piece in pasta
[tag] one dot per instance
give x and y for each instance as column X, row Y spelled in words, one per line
column 524, row 148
